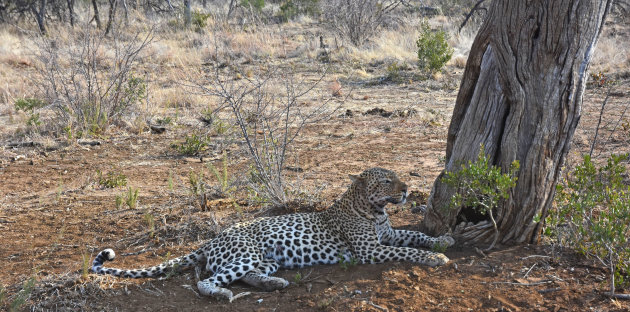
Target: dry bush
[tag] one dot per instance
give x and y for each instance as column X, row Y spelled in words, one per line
column 358, row 20
column 266, row 109
column 89, row 79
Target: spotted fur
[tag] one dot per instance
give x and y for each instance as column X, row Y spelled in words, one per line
column 355, row 227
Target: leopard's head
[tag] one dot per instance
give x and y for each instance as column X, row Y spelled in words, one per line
column 380, row 187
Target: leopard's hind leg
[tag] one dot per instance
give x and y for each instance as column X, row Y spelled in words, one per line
column 259, row 277
column 226, row 274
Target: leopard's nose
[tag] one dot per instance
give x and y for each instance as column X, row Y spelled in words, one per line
column 405, row 194
column 405, row 190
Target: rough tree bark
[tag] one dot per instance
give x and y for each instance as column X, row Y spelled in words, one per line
column 521, row 97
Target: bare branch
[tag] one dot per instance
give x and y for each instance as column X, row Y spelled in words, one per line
column 474, row 9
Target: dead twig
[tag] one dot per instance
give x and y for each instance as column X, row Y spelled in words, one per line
column 472, row 11
column 530, row 269
column 522, row 284
column 548, row 290
column 88, row 142
column 534, row 256
column 376, row 305
column 619, row 296
column 243, row 294
column 192, row 289
column 480, row 252
column 136, row 252
column 615, row 127
column 23, row 144
column 599, row 122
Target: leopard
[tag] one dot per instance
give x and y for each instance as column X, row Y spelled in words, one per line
column 355, row 228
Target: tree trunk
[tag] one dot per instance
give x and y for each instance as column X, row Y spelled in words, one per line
column 521, row 97
column 126, row 11
column 231, row 9
column 40, row 15
column 187, row 14
column 96, row 17
column 112, row 15
column 71, row 11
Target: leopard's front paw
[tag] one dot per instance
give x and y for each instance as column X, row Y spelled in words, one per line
column 436, row 259
column 445, row 241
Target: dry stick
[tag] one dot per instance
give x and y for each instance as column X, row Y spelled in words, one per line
column 620, row 296
column 472, row 11
column 376, row 305
column 530, row 269
column 523, row 284
column 534, row 256
column 496, row 231
column 616, row 125
column 601, row 114
column 612, row 278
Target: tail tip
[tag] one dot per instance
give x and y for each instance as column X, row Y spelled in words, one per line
column 108, row 254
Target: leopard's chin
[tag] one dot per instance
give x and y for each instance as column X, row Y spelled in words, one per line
column 397, row 201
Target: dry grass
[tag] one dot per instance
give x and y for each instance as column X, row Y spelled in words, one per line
column 15, row 63
column 399, row 45
column 611, row 53
column 177, row 55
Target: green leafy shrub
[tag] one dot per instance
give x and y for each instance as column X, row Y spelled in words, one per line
column 134, row 92
column 150, row 221
column 197, row 184
column 291, row 9
column 592, row 215
column 22, row 296
column 433, row 49
column 119, row 201
column 344, row 263
column 220, row 126
column 85, row 265
column 112, row 179
column 222, row 176
column 192, row 145
column 297, row 278
column 29, row 105
column 481, row 186
column 394, row 72
column 200, row 20
column 131, row 198
column 258, row 5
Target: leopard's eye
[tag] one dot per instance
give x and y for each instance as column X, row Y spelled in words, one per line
column 388, row 181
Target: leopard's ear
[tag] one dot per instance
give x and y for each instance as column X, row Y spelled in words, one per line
column 356, row 178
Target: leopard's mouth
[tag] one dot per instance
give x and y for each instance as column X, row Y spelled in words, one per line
column 398, row 200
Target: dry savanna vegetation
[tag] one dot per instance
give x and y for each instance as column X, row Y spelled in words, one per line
column 150, row 126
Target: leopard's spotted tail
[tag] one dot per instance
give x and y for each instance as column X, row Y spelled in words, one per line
column 109, row 255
